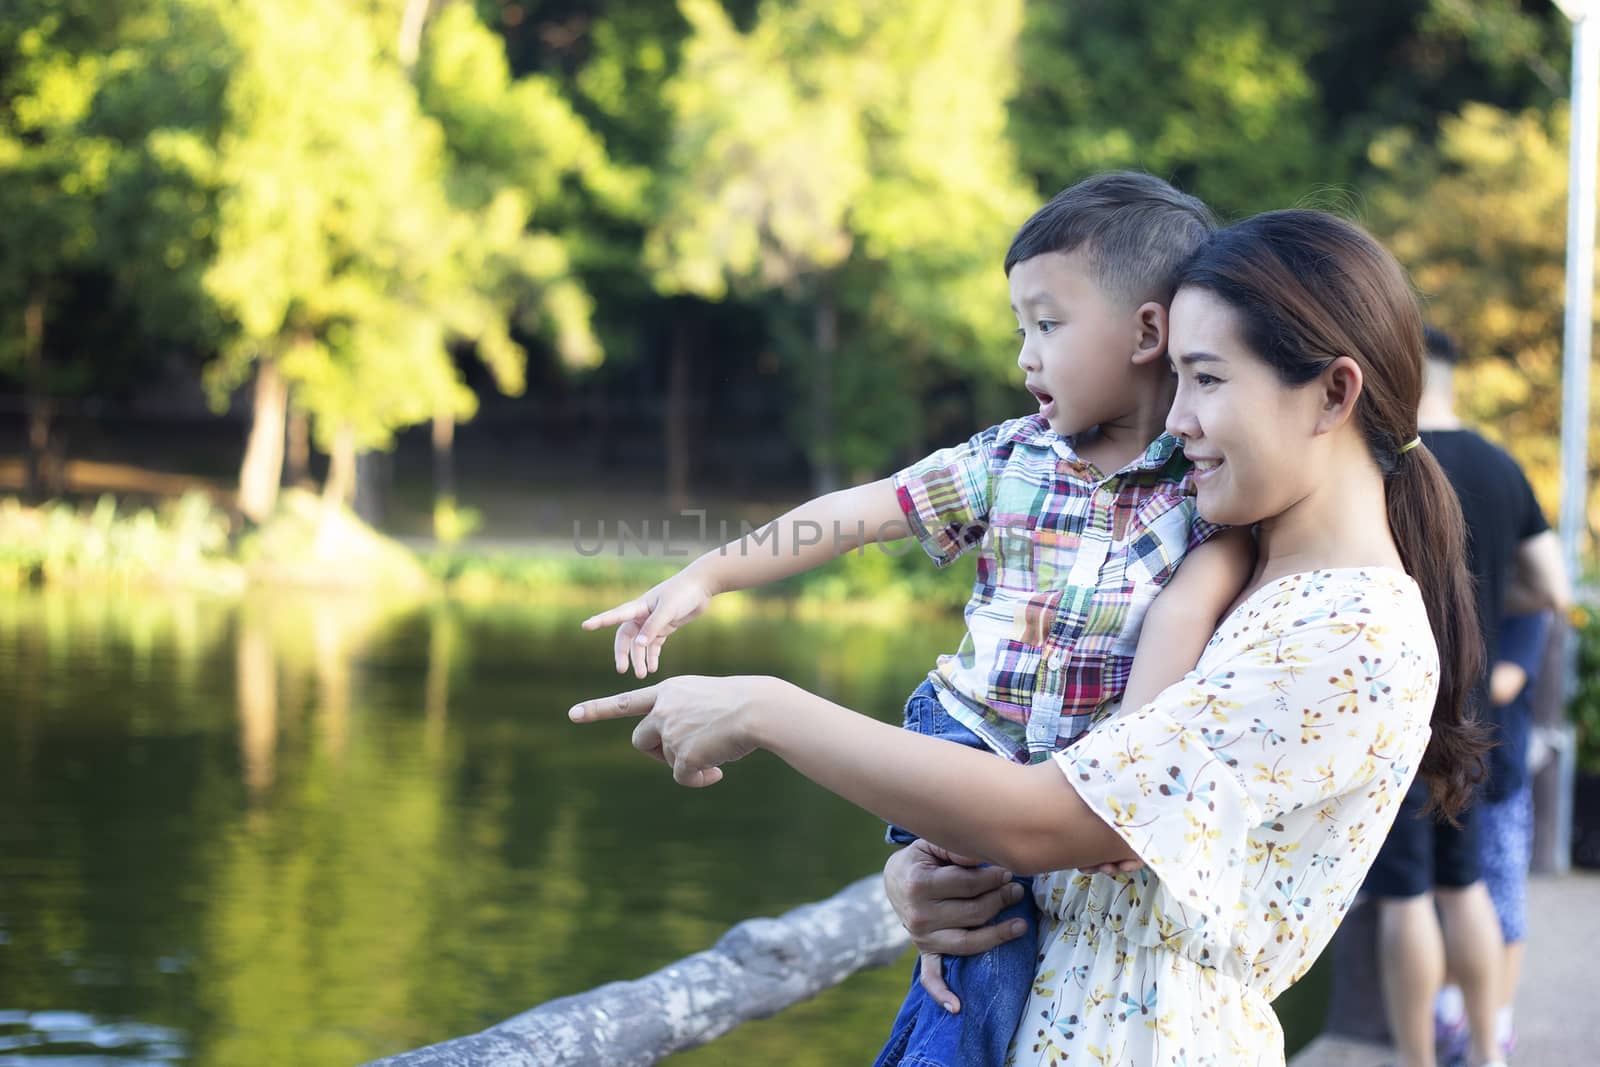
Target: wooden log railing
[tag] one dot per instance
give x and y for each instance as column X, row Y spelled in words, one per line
column 756, row 969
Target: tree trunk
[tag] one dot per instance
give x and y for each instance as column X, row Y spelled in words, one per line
column 297, row 460
column 825, row 337
column 340, row 485
column 444, row 466
column 372, row 479
column 262, row 470
column 412, row 22
column 676, row 424
column 37, row 400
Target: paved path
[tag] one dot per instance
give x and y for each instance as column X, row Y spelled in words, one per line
column 1558, row 1010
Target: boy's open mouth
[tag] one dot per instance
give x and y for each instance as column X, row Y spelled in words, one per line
column 1047, row 403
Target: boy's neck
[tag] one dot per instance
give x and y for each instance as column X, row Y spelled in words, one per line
column 1117, row 442
column 1110, row 448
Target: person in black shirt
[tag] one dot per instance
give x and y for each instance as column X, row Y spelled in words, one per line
column 1433, row 906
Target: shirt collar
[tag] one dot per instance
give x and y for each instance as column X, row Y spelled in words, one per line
column 1157, row 453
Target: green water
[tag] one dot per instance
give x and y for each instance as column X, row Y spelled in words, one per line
column 314, row 830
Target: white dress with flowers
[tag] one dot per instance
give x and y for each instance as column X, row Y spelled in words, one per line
column 1257, row 791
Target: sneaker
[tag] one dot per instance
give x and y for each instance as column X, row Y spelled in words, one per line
column 1508, row 1044
column 1451, row 1041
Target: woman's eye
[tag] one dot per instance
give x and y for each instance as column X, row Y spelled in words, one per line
column 1205, row 379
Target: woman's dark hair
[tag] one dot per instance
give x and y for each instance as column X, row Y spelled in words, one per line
column 1308, row 288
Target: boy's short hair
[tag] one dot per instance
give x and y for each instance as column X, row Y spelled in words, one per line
column 1438, row 345
column 1138, row 232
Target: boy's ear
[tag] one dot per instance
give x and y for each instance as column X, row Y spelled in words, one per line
column 1151, row 342
column 1340, row 386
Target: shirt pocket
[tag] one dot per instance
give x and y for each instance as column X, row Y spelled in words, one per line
column 1154, row 543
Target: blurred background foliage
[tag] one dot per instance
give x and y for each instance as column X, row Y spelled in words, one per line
column 669, row 241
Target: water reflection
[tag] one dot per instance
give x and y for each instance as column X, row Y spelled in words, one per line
column 317, row 830
column 80, row 1040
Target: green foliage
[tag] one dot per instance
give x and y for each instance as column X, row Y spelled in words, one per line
column 516, row 149
column 335, row 249
column 852, row 158
column 315, row 543
column 266, row 180
column 1488, row 255
column 452, row 522
column 238, row 181
column 185, row 542
column 1584, row 709
column 1215, row 96
column 895, row 577
column 834, row 131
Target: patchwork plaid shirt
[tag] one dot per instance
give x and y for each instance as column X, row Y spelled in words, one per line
column 1068, row 562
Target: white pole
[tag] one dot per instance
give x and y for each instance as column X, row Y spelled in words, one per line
column 1579, row 327
column 1555, row 855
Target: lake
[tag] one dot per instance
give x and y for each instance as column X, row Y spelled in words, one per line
column 311, row 829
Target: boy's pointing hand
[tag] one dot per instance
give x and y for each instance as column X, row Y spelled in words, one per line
column 644, row 622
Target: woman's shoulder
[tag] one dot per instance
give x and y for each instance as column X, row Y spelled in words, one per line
column 1380, row 605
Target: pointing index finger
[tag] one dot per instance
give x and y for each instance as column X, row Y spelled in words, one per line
column 632, row 609
column 635, row 703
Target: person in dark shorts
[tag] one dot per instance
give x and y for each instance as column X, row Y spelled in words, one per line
column 1433, row 905
column 1505, row 825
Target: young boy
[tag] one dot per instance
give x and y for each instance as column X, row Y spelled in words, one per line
column 1081, row 513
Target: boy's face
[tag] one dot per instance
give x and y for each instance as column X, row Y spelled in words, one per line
column 1077, row 342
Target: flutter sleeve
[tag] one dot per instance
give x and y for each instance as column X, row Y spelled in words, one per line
column 1284, row 724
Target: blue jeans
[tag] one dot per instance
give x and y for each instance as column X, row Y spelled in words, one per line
column 992, row 986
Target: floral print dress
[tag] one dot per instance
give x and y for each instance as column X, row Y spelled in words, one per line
column 1257, row 791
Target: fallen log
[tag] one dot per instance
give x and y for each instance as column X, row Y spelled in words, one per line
column 755, row 970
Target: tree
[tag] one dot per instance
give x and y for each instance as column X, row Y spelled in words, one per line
column 347, row 238
column 836, row 133
column 1216, row 98
column 52, row 171
column 1488, row 257
column 514, row 148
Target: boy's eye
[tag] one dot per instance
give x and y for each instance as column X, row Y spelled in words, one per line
column 1046, row 326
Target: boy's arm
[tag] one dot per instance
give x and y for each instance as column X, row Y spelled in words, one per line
column 1180, row 621
column 806, row 537
column 1539, row 579
column 800, row 539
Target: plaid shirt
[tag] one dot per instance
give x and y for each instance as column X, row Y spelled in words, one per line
column 1068, row 563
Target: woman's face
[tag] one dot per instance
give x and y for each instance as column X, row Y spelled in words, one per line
column 1251, row 437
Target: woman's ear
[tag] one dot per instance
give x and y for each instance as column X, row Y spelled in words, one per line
column 1151, row 340
column 1340, row 385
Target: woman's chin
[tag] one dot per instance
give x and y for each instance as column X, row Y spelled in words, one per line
column 1215, row 507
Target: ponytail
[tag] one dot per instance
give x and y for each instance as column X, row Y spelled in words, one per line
column 1425, row 520
column 1310, row 288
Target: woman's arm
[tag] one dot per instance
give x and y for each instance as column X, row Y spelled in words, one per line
column 1183, row 617
column 1026, row 819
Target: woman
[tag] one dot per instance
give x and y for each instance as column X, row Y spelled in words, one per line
column 1256, row 790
